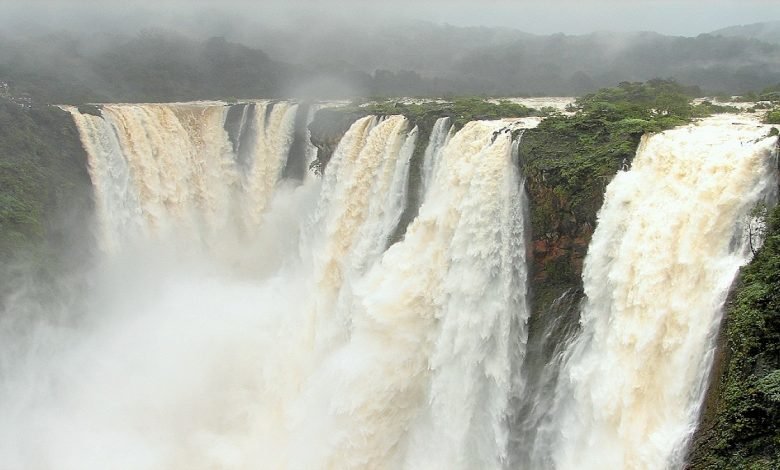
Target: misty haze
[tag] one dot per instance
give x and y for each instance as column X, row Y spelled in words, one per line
column 389, row 235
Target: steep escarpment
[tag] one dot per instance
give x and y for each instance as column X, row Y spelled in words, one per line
column 45, row 191
column 569, row 160
column 360, row 372
column 327, row 129
column 230, row 182
column 741, row 428
column 568, row 163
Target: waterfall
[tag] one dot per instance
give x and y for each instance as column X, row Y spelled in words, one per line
column 244, row 314
column 549, row 335
column 478, row 297
column 440, row 134
column 245, row 317
column 669, row 241
column 191, row 169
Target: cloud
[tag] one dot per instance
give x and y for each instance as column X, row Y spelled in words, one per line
column 680, row 17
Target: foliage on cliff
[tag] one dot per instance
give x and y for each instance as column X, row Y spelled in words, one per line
column 330, row 124
column 460, row 110
column 772, row 116
column 744, row 432
column 770, row 93
column 569, row 159
column 44, row 186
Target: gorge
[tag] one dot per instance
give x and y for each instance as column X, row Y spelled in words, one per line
column 402, row 310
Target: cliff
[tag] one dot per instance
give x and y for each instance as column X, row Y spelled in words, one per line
column 567, row 161
column 740, row 425
column 45, row 192
column 327, row 129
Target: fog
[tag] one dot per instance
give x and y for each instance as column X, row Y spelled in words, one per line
column 77, row 51
column 674, row 17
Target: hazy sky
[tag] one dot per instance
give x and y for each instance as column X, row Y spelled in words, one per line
column 680, row 17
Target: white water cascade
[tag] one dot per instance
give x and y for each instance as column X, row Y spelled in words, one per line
column 245, row 315
column 669, row 242
column 158, row 168
column 241, row 321
column 440, row 134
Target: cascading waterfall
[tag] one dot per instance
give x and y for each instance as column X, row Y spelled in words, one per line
column 548, row 337
column 670, row 239
column 479, row 301
column 158, row 168
column 440, row 134
column 246, row 315
column 334, row 351
column 429, row 310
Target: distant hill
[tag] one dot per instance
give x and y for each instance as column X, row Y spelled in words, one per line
column 403, row 60
column 768, row 31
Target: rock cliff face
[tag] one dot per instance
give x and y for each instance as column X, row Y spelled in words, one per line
column 45, row 202
column 565, row 181
column 44, row 185
column 327, row 129
column 559, row 246
column 740, row 420
column 563, row 217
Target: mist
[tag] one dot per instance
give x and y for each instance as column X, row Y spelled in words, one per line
column 78, row 52
column 157, row 363
column 192, row 279
column 672, row 17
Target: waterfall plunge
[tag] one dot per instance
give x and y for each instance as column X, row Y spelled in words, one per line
column 242, row 321
column 670, row 239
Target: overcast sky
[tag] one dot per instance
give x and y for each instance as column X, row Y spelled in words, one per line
column 678, row 17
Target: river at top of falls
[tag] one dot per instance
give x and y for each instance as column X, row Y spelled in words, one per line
column 239, row 319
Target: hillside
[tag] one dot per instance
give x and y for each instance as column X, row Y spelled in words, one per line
column 767, row 32
column 157, row 65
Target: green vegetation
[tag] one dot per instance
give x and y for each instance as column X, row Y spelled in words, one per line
column 44, row 188
column 767, row 99
column 568, row 161
column 331, row 123
column 461, row 110
column 744, row 431
column 577, row 155
column 771, row 94
column 772, row 117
